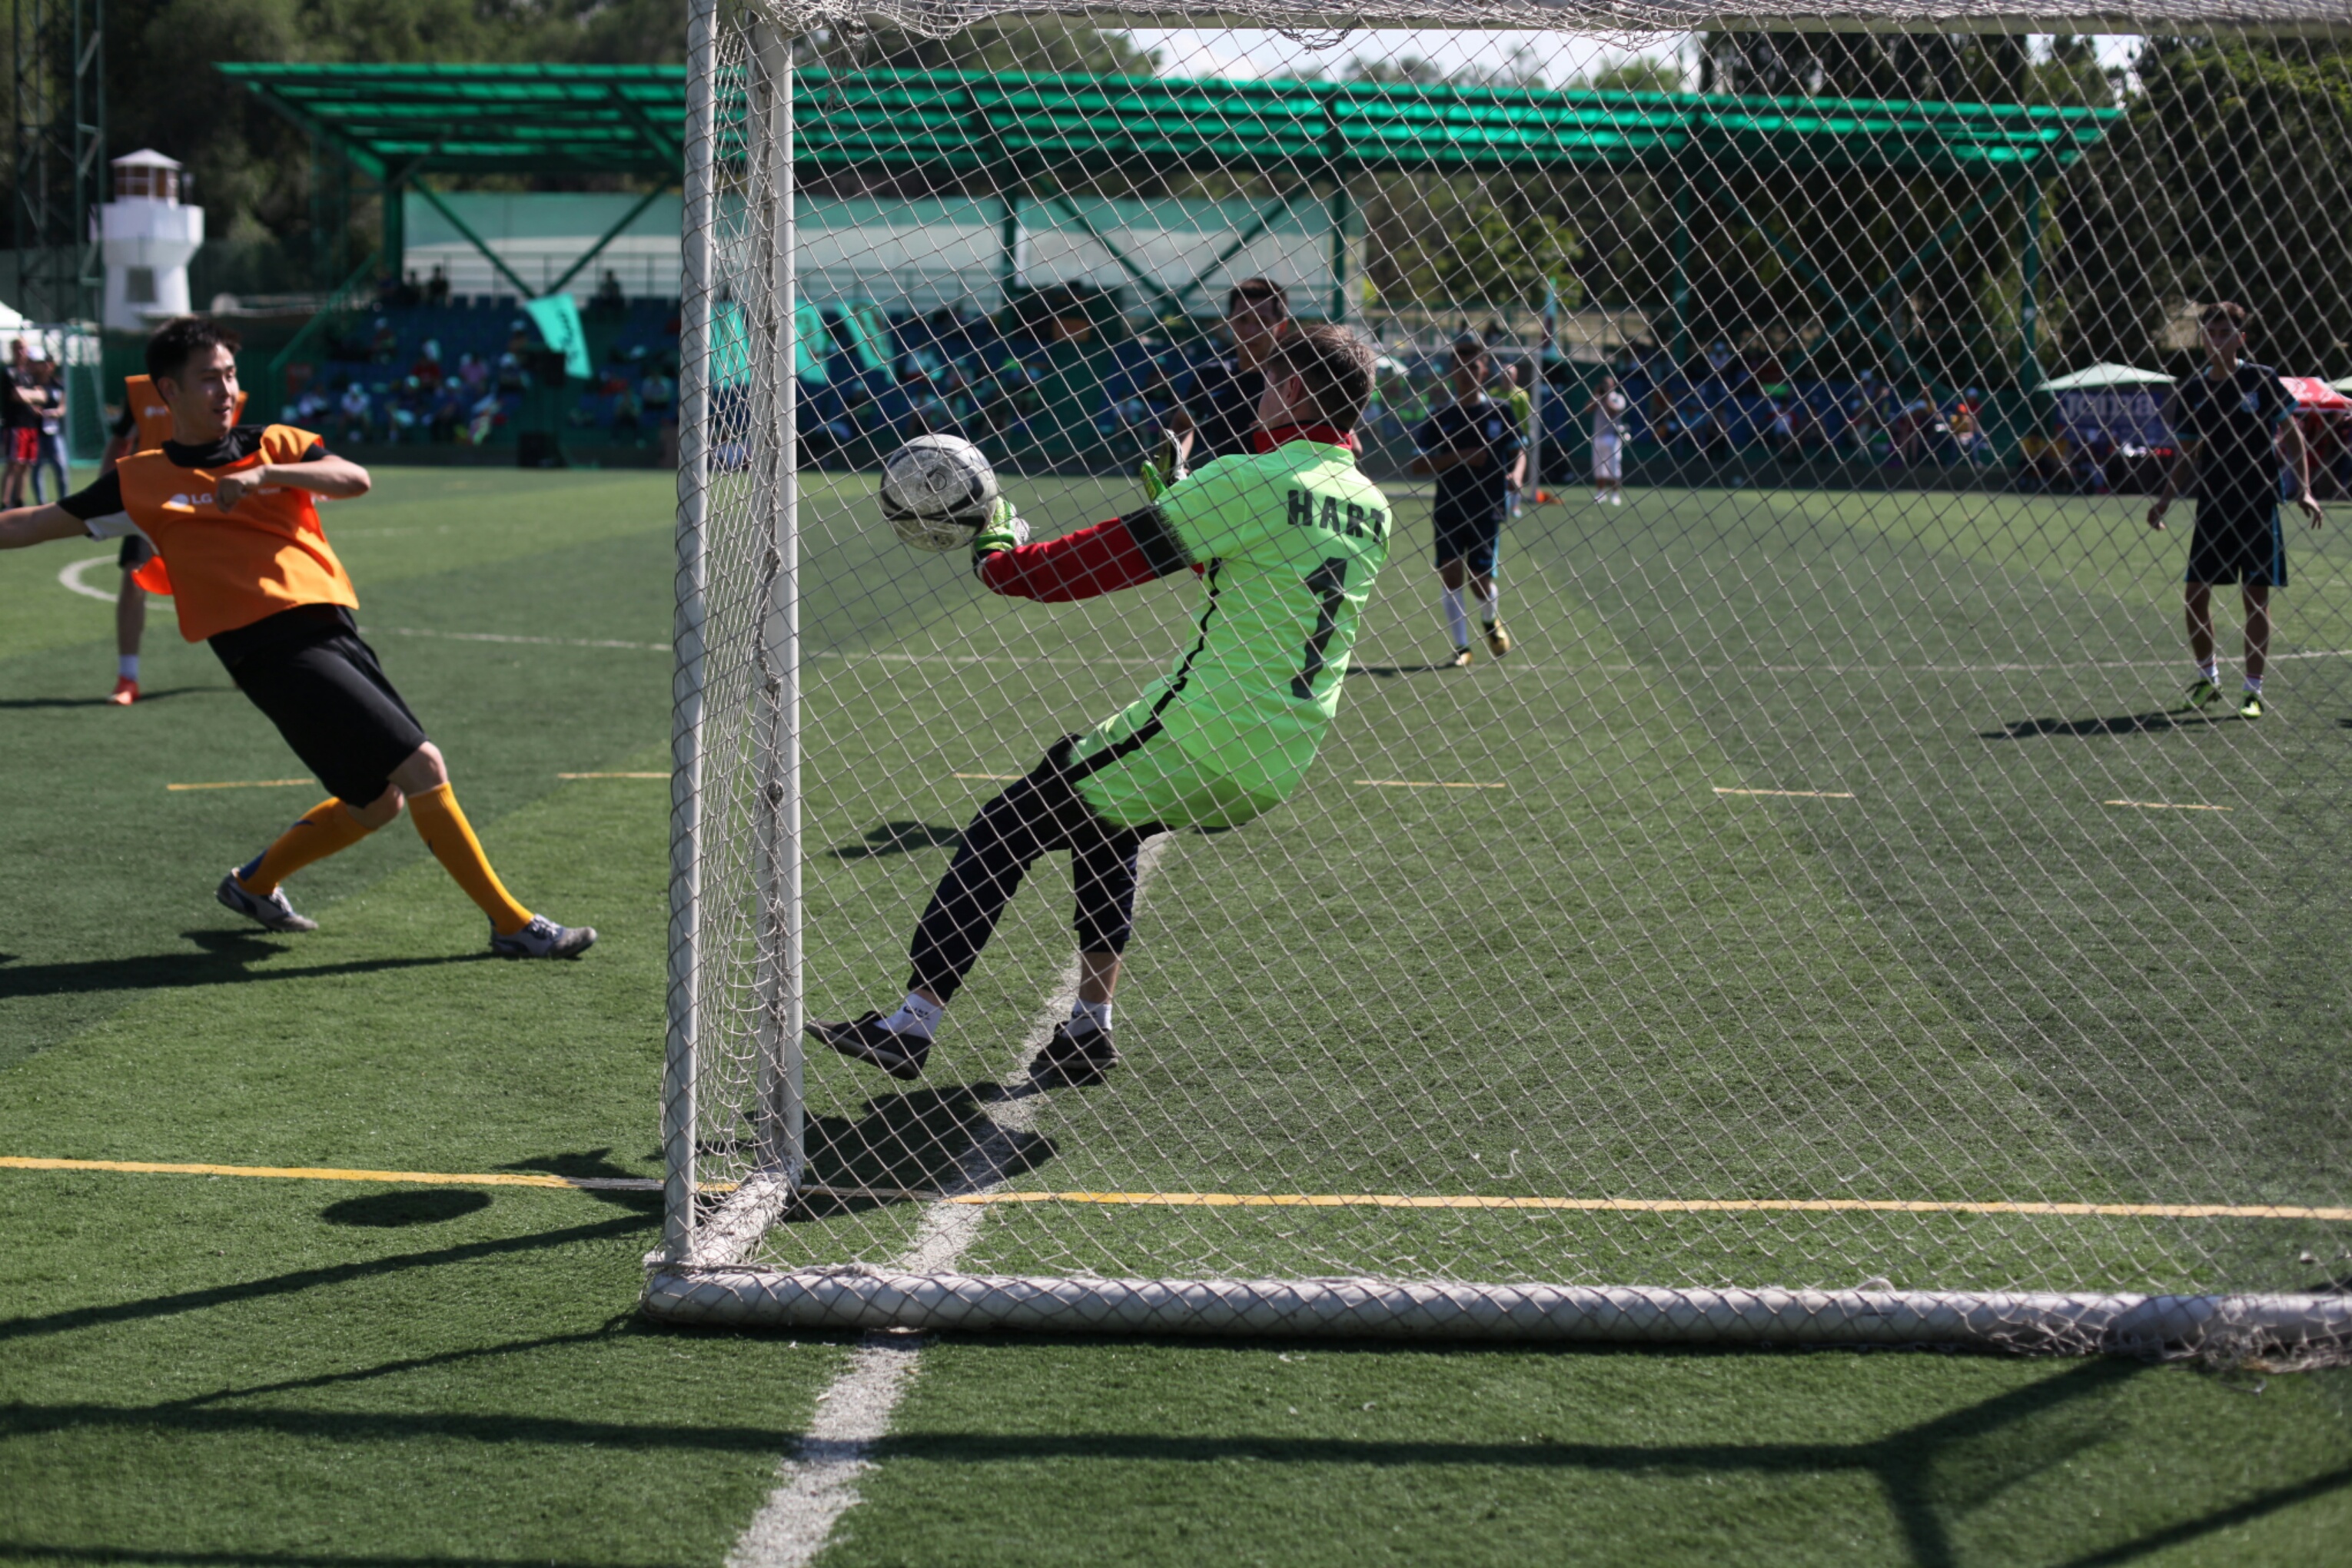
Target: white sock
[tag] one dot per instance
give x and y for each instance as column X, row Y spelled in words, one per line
column 914, row 1017
column 127, row 665
column 1096, row 1013
column 2254, row 684
column 1456, row 623
column 1490, row 607
column 2211, row 670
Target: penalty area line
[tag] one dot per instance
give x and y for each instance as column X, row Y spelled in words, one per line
column 242, row 783
column 1423, row 784
column 2164, row 806
column 986, row 1162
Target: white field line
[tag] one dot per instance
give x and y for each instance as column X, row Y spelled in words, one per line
column 70, row 578
column 818, row 1481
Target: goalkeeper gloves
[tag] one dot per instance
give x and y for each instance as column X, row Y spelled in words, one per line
column 1002, row 529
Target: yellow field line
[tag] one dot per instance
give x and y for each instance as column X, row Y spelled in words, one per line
column 2164, row 806
column 1226, row 1200
column 1796, row 794
column 612, row 775
column 1423, row 784
column 243, row 783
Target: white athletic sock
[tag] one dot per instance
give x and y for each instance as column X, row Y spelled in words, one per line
column 914, row 1017
column 2254, row 684
column 1490, row 607
column 1096, row 1013
column 1456, row 623
column 127, row 665
column 2211, row 670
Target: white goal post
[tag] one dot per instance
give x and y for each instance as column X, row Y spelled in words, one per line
column 1815, row 922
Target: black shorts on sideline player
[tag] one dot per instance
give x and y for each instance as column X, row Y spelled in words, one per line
column 2238, row 544
column 1474, row 539
column 307, row 668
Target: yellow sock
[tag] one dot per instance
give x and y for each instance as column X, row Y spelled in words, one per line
column 441, row 822
column 323, row 831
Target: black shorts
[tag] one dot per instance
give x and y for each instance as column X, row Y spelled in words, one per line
column 2239, row 543
column 1471, row 538
column 330, row 698
column 136, row 552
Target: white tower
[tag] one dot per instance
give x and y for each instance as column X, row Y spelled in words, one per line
column 150, row 237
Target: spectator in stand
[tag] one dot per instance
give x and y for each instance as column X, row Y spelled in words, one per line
column 384, row 348
column 448, row 413
column 472, row 374
column 629, row 421
column 436, row 287
column 1780, row 429
column 488, row 414
column 354, row 407
column 1608, row 409
column 609, row 300
column 426, row 371
column 657, row 390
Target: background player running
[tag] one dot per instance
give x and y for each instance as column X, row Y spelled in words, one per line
column 1287, row 540
column 1476, row 451
column 2232, row 418
column 230, row 508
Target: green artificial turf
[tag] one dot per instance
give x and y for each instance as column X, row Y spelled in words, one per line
column 1603, row 979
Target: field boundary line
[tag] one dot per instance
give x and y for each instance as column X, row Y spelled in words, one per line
column 2164, row 806
column 1792, row 794
column 819, row 1478
column 1019, row 1112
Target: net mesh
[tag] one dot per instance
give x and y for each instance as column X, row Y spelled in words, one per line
column 1833, row 886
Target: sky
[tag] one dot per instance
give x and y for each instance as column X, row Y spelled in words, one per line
column 1562, row 56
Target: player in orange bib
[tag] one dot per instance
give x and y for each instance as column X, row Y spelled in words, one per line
column 144, row 425
column 230, row 508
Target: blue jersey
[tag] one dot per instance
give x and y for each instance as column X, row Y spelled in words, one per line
column 2234, row 420
column 1471, row 493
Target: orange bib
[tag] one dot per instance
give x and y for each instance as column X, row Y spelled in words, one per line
column 231, row 569
column 153, row 426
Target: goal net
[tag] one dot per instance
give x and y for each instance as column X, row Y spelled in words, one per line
column 1765, row 874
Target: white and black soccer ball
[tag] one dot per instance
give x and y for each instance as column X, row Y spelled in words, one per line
column 937, row 491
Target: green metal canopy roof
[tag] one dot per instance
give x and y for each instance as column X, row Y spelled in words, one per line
column 400, row 120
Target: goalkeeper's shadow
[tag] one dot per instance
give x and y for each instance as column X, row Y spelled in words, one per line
column 914, row 1147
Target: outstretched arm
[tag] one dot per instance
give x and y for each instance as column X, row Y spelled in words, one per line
column 26, row 525
column 333, row 478
column 1120, row 553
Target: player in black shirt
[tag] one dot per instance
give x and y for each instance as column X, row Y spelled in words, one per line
column 2234, row 421
column 1474, row 446
column 1217, row 420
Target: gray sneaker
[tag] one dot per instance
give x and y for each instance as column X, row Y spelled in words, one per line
column 544, row 939
column 273, row 911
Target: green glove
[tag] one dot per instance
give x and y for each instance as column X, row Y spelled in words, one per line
column 1148, row 472
column 1002, row 529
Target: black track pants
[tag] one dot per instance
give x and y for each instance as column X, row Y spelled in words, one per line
column 1038, row 815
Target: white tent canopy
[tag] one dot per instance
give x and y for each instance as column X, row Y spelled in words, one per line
column 2103, row 376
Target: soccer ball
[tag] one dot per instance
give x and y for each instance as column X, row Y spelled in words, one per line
column 936, row 491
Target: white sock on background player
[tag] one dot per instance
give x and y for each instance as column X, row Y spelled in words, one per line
column 1490, row 607
column 1456, row 622
column 127, row 665
column 1097, row 1014
column 2254, row 684
column 914, row 1017
column 2211, row 670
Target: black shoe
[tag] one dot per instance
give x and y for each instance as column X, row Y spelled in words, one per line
column 1074, row 1061
column 900, row 1056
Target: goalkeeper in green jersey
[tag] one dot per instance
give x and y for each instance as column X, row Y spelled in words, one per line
column 1286, row 542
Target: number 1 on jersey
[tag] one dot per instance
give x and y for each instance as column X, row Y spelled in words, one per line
column 1328, row 584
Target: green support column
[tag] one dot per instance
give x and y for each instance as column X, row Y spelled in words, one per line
column 1681, row 339
column 1338, row 209
column 1008, row 250
column 2029, row 308
column 394, row 248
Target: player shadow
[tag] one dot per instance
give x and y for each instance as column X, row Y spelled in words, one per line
column 898, row 839
column 589, row 1164
column 224, row 958
column 911, row 1147
column 1391, row 671
column 2158, row 722
column 406, row 1206
column 144, row 698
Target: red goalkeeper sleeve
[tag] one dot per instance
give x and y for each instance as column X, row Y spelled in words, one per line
column 1121, row 554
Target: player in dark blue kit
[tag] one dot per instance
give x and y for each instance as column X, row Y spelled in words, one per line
column 1474, row 446
column 2234, row 423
